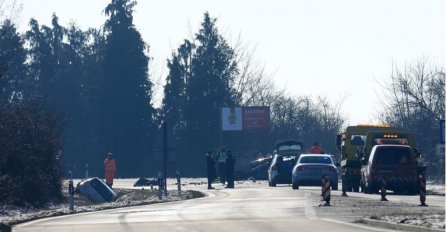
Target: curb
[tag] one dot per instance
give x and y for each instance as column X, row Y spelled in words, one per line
column 397, row 226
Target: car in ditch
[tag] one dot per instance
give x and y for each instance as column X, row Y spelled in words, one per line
column 96, row 190
column 311, row 168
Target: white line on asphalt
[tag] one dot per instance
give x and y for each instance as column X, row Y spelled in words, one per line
column 309, row 211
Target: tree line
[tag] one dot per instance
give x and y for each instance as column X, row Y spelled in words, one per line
column 98, row 81
column 415, row 101
column 83, row 93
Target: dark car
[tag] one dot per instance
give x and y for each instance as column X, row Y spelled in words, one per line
column 279, row 171
column 258, row 168
column 285, row 157
column 391, row 163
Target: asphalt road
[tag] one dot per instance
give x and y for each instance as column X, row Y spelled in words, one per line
column 248, row 208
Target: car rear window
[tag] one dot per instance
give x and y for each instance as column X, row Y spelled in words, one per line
column 393, row 155
column 289, row 147
column 315, row 160
column 285, row 159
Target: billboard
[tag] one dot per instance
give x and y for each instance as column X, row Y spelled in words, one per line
column 252, row 118
column 231, row 119
column 256, row 118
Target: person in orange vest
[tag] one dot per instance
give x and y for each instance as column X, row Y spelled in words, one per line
column 110, row 169
column 316, row 149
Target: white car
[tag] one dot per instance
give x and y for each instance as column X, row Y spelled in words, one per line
column 310, row 168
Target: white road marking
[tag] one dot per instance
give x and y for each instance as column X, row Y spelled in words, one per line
column 309, row 211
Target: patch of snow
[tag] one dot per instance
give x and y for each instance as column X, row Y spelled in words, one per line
column 433, row 188
column 435, row 221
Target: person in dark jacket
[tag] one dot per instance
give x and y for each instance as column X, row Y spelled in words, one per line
column 210, row 164
column 230, row 162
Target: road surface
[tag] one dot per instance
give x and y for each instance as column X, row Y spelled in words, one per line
column 252, row 208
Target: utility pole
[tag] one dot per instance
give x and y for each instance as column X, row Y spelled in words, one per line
column 165, row 156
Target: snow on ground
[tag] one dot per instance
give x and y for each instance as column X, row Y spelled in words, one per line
column 433, row 188
column 127, row 196
column 130, row 196
column 435, row 221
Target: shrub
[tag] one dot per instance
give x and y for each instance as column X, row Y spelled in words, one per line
column 30, row 148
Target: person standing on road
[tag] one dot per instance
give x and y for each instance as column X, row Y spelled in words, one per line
column 230, row 161
column 110, row 169
column 221, row 165
column 316, row 149
column 210, row 164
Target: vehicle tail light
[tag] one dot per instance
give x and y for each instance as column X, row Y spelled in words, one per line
column 330, row 169
column 302, row 168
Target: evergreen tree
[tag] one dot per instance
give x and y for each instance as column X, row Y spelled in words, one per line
column 173, row 101
column 13, row 70
column 80, row 62
column 209, row 87
column 43, row 63
column 175, row 90
column 56, row 67
column 124, row 105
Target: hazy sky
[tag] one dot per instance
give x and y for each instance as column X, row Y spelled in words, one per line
column 313, row 47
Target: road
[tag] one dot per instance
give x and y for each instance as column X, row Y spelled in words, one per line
column 246, row 208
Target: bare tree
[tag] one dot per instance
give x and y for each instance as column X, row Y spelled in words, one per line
column 414, row 101
column 253, row 85
column 414, row 92
column 10, row 9
column 330, row 117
